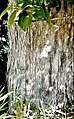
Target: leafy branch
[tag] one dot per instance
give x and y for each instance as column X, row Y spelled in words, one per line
column 25, row 11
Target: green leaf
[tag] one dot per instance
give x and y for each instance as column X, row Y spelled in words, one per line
column 24, row 20
column 39, row 2
column 71, row 1
column 11, row 18
column 28, row 7
column 38, row 13
column 5, row 11
column 5, row 96
column 26, row 2
column 22, row 3
column 47, row 16
column 19, row 1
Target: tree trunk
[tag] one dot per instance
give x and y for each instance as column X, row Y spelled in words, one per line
column 41, row 62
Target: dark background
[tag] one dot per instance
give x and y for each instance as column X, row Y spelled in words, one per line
column 3, row 45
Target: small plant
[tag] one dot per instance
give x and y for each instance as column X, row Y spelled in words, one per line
column 18, row 108
column 3, row 103
column 30, row 110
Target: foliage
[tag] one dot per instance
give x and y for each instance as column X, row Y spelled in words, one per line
column 3, row 50
column 18, row 108
column 3, row 103
column 27, row 10
column 70, row 1
column 30, row 110
column 30, row 10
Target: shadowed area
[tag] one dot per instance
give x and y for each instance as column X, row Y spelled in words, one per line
column 3, row 49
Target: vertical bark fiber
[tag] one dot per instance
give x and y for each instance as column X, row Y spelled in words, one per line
column 40, row 62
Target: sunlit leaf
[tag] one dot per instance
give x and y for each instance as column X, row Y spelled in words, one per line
column 11, row 18
column 5, row 11
column 5, row 96
column 28, row 7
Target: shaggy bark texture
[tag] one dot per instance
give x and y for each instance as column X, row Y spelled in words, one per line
column 41, row 62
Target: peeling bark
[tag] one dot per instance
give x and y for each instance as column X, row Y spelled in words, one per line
column 41, row 64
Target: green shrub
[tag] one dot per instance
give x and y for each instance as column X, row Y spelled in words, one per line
column 3, row 103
